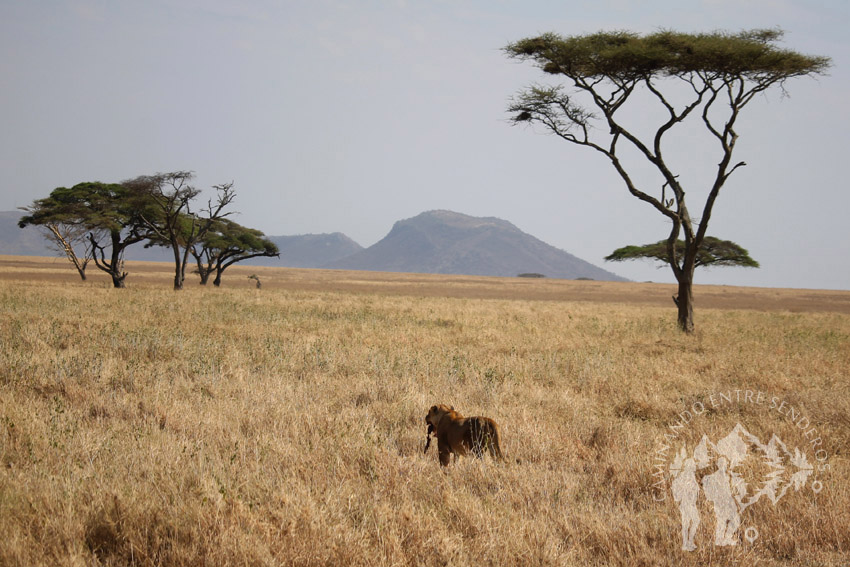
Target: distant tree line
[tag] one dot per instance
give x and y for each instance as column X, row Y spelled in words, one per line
column 96, row 221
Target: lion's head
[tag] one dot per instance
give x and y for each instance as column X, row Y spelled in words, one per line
column 435, row 414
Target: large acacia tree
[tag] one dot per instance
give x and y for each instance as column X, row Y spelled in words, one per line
column 711, row 77
column 109, row 213
column 170, row 218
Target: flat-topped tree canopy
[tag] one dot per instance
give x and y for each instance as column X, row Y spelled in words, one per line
column 626, row 55
column 717, row 74
column 92, row 204
column 712, row 252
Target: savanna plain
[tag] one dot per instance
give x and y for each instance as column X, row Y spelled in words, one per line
column 285, row 425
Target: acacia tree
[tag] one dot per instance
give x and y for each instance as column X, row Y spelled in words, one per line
column 66, row 239
column 108, row 212
column 710, row 76
column 170, row 219
column 712, row 252
column 227, row 243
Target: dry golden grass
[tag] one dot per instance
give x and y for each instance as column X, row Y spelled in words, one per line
column 58, row 270
column 284, row 426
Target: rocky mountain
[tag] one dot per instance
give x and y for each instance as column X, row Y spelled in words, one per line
column 445, row 242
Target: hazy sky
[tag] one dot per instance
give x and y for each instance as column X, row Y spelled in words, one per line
column 349, row 115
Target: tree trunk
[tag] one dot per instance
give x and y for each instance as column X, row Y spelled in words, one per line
column 68, row 248
column 685, row 302
column 204, row 271
column 178, row 265
column 116, row 264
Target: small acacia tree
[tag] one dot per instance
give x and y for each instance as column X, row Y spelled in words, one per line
column 66, row 239
column 714, row 77
column 227, row 243
column 712, row 252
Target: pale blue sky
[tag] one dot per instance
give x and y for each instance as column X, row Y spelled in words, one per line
column 348, row 116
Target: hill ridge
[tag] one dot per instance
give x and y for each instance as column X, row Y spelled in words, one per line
column 446, row 242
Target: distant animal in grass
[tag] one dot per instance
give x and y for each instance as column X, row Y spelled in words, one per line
column 457, row 435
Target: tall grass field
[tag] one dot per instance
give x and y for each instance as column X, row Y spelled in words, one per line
column 285, row 425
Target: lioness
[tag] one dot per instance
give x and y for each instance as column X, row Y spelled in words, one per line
column 460, row 435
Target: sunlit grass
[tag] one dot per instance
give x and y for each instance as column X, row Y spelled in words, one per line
column 241, row 426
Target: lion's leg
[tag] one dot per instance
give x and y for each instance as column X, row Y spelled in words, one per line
column 445, row 453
